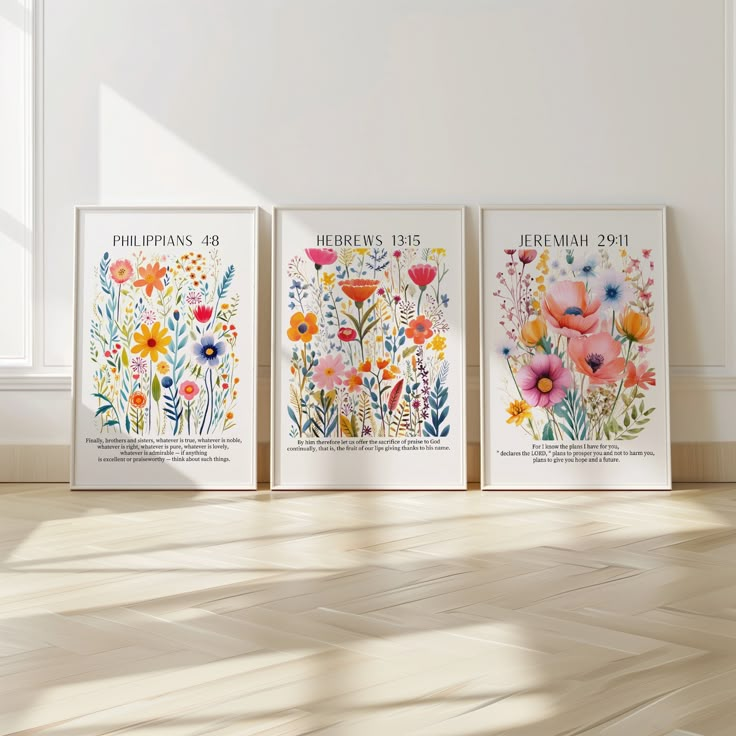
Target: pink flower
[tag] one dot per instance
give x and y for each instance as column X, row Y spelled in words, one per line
column 647, row 253
column 188, row 390
column 509, row 251
column 598, row 357
column 569, row 309
column 121, row 270
column 640, row 376
column 527, row 255
column 544, row 381
column 329, row 372
column 321, row 256
column 397, row 254
column 422, row 274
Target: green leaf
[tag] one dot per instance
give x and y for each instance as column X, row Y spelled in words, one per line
column 634, row 412
column 125, row 357
column 156, row 388
column 103, row 409
column 548, row 432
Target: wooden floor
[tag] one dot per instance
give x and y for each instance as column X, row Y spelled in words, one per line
column 364, row 614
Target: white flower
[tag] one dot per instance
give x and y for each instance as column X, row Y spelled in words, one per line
column 613, row 290
column 507, row 349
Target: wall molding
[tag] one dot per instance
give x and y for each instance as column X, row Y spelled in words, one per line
column 692, row 462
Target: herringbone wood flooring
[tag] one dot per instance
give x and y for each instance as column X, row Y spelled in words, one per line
column 361, row 613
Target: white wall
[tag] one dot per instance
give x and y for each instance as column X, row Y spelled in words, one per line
column 394, row 101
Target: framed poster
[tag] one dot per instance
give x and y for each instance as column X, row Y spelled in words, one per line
column 368, row 366
column 574, row 348
column 165, row 348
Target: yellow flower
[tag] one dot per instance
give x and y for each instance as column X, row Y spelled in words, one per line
column 439, row 251
column 151, row 341
column 623, row 253
column 533, row 331
column 635, row 326
column 224, row 306
column 362, row 251
column 540, row 279
column 328, row 279
column 542, row 288
column 162, row 368
column 438, row 343
column 519, row 411
column 440, row 356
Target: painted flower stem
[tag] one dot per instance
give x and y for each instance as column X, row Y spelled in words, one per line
column 620, row 383
column 207, row 405
column 521, row 396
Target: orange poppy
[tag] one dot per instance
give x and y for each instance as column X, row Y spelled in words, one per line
column 138, row 399
column 382, row 363
column 358, row 289
column 365, row 366
column 303, row 326
column 151, row 341
column 419, row 330
column 150, row 277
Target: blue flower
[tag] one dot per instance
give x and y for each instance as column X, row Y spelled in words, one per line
column 445, row 300
column 207, row 352
column 167, row 382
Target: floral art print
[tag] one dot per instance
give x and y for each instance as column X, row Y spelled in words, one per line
column 578, row 332
column 368, row 333
column 163, row 339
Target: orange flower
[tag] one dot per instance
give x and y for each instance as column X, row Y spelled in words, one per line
column 358, row 289
column 138, row 399
column 568, row 309
column 641, row 376
column 229, row 415
column 150, row 277
column 419, row 330
column 303, row 326
column 151, row 341
column 635, row 326
column 365, row 366
column 382, row 363
column 353, row 381
column 387, row 375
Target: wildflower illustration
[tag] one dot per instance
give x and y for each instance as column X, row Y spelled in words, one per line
column 162, row 341
column 576, row 333
column 368, row 333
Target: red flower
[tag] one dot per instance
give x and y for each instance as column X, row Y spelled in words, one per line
column 397, row 254
column 107, row 353
column 419, row 330
column 202, row 313
column 225, row 385
column 527, row 255
column 347, row 334
column 321, row 256
column 422, row 274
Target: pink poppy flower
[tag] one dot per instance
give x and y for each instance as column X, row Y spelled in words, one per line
column 544, row 381
column 321, row 256
column 640, row 376
column 569, row 309
column 598, row 357
column 329, row 373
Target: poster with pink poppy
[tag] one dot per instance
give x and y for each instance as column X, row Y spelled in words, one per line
column 368, row 365
column 574, row 355
column 164, row 374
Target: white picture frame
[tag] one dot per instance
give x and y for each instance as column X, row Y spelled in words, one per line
column 153, row 436
column 582, row 448
column 357, row 453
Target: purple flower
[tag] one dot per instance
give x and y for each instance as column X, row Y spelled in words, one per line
column 138, row 365
column 194, row 297
column 544, row 381
column 149, row 316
